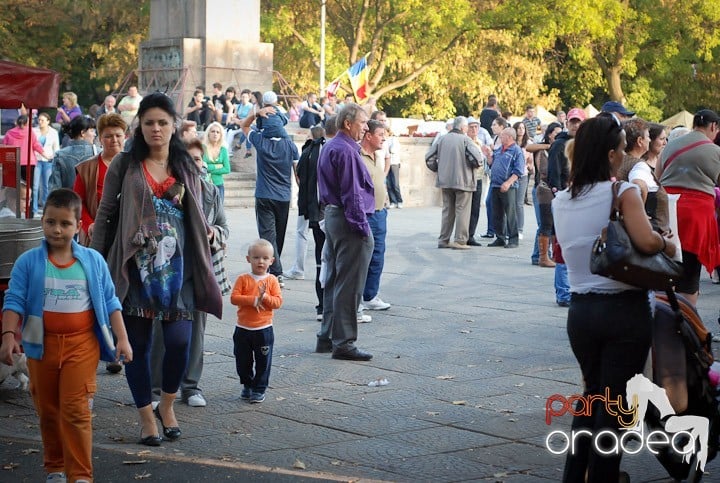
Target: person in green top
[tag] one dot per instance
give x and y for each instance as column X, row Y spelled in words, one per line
column 216, row 156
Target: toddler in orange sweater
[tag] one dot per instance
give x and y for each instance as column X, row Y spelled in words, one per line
column 256, row 294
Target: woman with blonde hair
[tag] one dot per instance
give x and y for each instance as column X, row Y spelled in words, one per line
column 216, row 156
column 69, row 109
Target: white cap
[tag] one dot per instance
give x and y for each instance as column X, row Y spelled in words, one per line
column 270, row 98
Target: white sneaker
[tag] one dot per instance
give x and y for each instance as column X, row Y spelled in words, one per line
column 197, row 401
column 363, row 319
column 294, row 275
column 398, row 206
column 375, row 303
column 56, row 478
column 281, row 281
column 520, row 236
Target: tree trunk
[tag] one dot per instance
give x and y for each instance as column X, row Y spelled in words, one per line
column 612, row 76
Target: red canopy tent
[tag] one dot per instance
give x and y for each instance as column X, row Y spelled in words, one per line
column 31, row 87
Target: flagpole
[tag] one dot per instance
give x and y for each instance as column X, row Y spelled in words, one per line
column 322, row 46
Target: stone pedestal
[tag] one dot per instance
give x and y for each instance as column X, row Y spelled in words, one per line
column 198, row 42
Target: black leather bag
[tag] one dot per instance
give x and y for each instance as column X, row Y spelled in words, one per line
column 614, row 256
column 471, row 160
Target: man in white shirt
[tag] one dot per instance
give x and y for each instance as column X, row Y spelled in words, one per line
column 129, row 105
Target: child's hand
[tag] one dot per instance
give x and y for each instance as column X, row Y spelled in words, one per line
column 261, row 295
column 124, row 352
column 7, row 349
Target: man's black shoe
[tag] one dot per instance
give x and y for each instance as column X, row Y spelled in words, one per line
column 353, row 355
column 488, row 235
column 323, row 346
column 497, row 243
column 473, row 243
column 511, row 245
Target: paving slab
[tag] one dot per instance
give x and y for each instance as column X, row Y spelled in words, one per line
column 472, row 347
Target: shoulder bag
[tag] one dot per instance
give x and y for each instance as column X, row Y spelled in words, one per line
column 614, row 256
column 431, row 159
column 472, row 161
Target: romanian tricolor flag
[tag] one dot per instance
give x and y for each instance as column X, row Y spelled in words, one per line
column 358, row 74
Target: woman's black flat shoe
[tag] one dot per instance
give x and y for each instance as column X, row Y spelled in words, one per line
column 171, row 433
column 152, row 440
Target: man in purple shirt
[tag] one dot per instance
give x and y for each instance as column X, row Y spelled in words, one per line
column 346, row 189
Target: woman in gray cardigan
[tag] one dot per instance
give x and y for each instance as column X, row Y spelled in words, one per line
column 159, row 257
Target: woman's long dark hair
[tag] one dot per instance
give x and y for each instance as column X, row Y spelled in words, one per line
column 595, row 138
column 526, row 137
column 548, row 131
column 178, row 155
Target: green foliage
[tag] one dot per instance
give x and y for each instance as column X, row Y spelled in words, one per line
column 92, row 44
column 426, row 60
column 598, row 50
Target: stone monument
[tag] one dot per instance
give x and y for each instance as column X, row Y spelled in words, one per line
column 200, row 42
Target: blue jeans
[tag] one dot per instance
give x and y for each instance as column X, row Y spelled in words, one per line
column 535, row 257
column 378, row 226
column 562, row 285
column 520, row 202
column 393, row 184
column 176, row 337
column 253, row 356
column 489, row 210
column 41, row 180
column 245, row 138
column 221, row 192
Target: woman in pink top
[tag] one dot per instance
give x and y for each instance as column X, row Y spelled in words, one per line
column 18, row 136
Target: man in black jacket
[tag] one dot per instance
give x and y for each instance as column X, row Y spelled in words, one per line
column 558, row 176
column 309, row 206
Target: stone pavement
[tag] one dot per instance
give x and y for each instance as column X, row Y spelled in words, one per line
column 472, row 347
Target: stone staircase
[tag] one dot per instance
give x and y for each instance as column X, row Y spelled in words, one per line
column 239, row 190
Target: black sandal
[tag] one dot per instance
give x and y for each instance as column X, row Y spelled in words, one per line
column 172, row 433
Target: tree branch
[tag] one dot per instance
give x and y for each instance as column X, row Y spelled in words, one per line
column 359, row 27
column 415, row 74
column 305, row 43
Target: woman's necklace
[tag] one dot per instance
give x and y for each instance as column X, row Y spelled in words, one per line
column 162, row 164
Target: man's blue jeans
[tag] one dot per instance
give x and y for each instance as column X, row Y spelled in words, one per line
column 378, row 227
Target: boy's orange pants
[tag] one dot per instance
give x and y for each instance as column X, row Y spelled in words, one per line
column 63, row 385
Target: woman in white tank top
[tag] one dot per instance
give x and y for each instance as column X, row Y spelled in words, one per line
column 608, row 321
